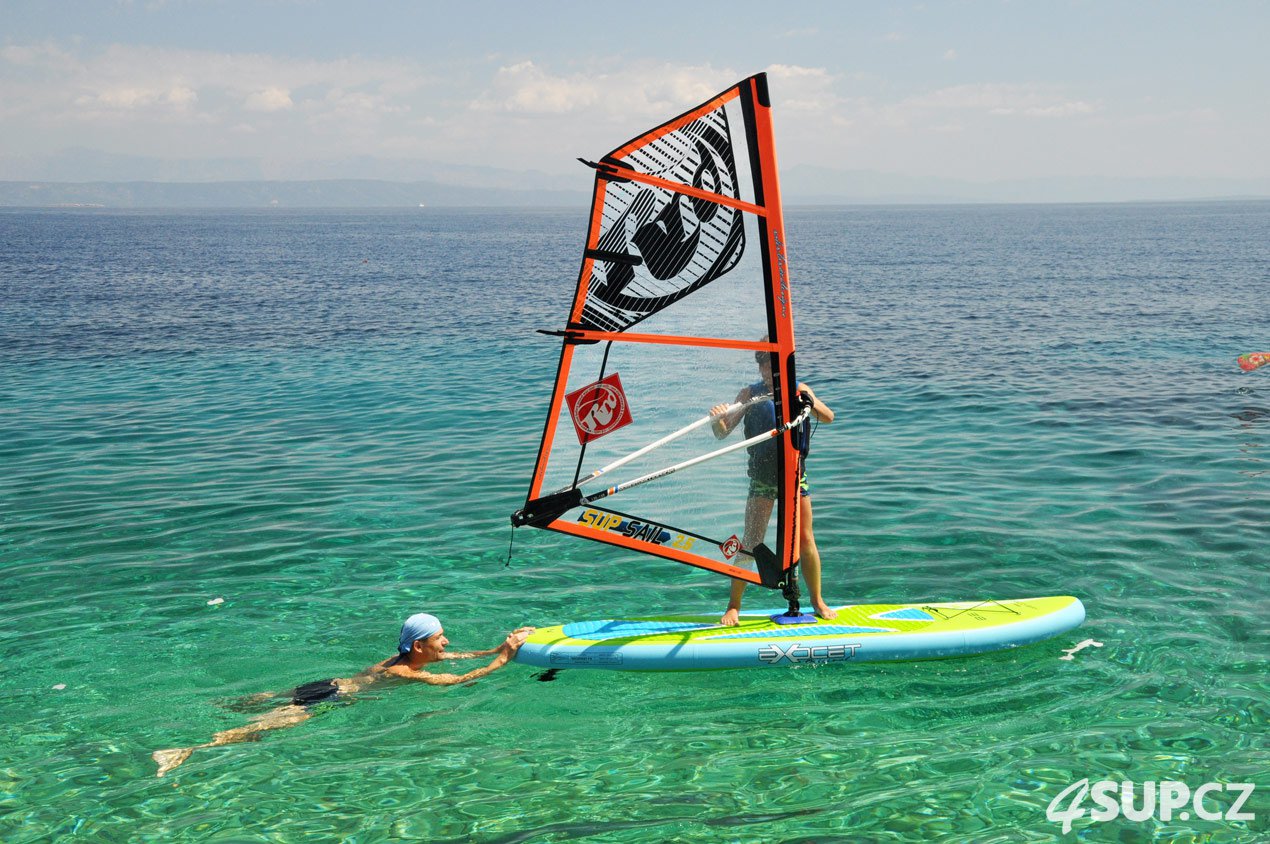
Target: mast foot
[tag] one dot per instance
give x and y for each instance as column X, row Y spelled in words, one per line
column 789, row 588
column 794, row 617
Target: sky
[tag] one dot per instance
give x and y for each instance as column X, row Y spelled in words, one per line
column 976, row 91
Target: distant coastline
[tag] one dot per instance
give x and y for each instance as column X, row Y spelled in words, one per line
column 333, row 193
column 837, row 188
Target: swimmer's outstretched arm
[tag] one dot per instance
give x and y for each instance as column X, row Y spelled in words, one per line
column 490, row 652
column 467, row 654
column 503, row 654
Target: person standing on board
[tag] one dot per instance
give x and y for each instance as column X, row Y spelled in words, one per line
column 758, row 418
column 421, row 643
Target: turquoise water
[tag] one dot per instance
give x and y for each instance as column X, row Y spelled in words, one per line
column 324, row 419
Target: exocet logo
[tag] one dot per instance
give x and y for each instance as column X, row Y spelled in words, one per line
column 1117, row 798
column 798, row 653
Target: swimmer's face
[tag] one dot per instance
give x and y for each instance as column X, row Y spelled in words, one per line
column 437, row 641
column 433, row 646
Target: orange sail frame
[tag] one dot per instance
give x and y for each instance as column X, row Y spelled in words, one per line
column 752, row 96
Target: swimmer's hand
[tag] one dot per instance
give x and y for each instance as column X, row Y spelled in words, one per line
column 514, row 640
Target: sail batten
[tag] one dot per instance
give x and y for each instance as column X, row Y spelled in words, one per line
column 686, row 190
column 669, row 340
column 681, row 321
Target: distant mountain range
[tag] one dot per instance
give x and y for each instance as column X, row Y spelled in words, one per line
column 809, row 185
column 801, row 185
column 332, row 193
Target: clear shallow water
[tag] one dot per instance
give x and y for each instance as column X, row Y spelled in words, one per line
column 289, row 411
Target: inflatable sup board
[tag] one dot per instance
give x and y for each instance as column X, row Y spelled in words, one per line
column 863, row 633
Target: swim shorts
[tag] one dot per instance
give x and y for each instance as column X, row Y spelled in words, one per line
column 762, row 489
column 319, row 691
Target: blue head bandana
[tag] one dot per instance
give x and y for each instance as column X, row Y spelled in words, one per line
column 418, row 626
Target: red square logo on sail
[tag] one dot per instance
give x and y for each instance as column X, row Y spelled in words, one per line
column 599, row 408
column 731, row 547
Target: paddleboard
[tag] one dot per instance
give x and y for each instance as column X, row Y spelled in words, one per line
column 860, row 633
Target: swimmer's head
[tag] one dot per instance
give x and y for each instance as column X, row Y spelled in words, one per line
column 419, row 626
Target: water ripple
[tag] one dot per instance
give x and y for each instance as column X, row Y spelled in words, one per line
column 221, row 406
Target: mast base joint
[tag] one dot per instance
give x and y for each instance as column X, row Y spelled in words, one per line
column 789, row 588
column 543, row 511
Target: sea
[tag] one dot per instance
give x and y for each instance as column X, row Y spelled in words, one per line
column 237, row 448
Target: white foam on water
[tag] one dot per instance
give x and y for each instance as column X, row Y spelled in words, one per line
column 1070, row 653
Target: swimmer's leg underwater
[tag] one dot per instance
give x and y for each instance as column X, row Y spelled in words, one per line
column 275, row 719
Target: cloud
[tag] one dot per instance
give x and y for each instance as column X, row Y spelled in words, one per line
column 524, row 88
column 556, row 114
column 950, row 55
column 791, row 71
column 181, row 96
column 643, row 88
column 42, row 56
column 282, row 113
column 269, row 99
column 202, row 102
column 177, row 97
column 798, row 88
column 133, row 77
column 1066, row 109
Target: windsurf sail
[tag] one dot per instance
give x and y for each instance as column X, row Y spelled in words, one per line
column 682, row 306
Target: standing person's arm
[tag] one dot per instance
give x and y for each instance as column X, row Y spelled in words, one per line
column 818, row 408
column 725, row 421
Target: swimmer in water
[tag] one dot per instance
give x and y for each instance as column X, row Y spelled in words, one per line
column 422, row 642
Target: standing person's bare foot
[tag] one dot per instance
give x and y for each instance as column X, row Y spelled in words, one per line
column 824, row 610
column 731, row 618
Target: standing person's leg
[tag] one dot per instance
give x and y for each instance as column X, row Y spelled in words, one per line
column 810, row 559
column 758, row 511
